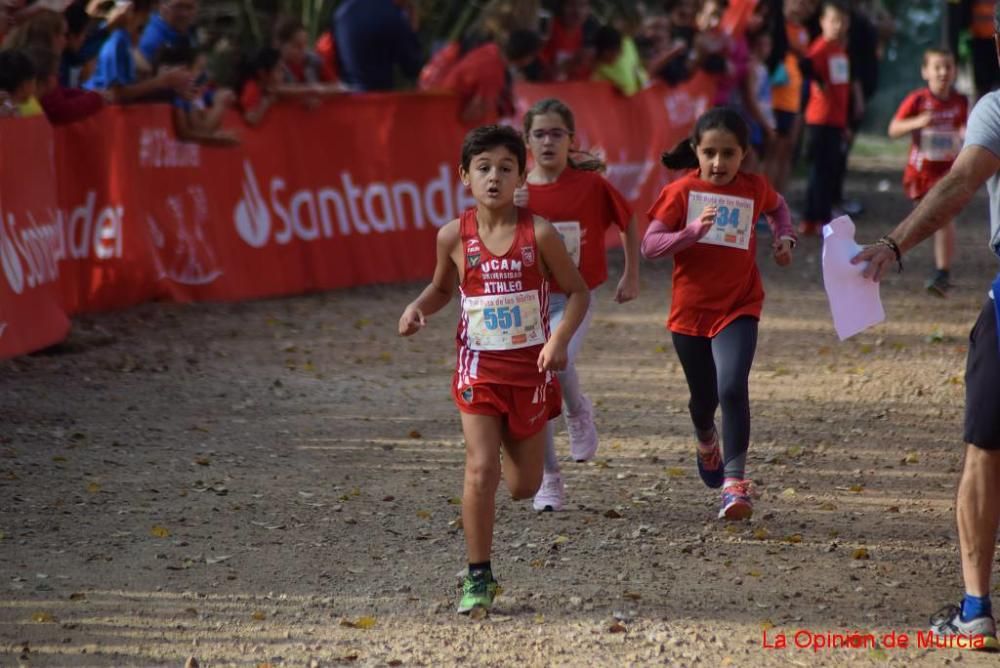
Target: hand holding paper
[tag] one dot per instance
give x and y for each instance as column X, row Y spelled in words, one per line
column 854, row 299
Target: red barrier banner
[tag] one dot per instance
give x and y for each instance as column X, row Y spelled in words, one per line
column 114, row 211
column 31, row 244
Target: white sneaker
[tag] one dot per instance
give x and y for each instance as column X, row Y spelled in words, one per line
column 551, row 494
column 582, row 432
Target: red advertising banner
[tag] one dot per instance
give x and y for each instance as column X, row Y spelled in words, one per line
column 31, row 243
column 114, row 211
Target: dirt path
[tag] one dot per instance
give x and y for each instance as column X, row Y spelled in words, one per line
column 276, row 483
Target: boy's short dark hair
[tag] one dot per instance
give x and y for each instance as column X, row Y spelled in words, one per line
column 77, row 19
column 144, row 6
column 286, row 28
column 16, row 69
column 488, row 137
column 522, row 44
column 936, row 51
column 836, row 5
column 179, row 55
column 45, row 60
column 607, row 39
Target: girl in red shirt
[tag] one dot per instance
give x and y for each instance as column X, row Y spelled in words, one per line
column 582, row 205
column 706, row 221
column 502, row 258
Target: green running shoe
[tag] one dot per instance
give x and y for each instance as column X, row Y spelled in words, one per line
column 478, row 591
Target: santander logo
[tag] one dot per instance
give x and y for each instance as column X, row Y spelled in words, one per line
column 274, row 214
column 8, row 256
column 31, row 249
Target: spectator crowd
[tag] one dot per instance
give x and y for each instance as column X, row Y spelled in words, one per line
column 800, row 71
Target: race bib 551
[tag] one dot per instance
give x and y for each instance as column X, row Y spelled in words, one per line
column 504, row 322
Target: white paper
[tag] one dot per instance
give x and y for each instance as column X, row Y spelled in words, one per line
column 854, row 299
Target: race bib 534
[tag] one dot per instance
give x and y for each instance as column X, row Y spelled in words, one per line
column 733, row 218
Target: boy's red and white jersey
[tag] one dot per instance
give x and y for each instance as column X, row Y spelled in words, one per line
column 935, row 147
column 505, row 308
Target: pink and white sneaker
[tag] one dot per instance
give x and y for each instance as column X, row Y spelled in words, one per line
column 551, row 495
column 737, row 503
column 582, row 432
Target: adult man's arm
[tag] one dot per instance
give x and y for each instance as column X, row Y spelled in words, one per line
column 944, row 202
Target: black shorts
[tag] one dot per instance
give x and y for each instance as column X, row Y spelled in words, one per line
column 784, row 121
column 982, row 382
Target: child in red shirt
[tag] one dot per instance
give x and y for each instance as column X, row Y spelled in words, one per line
column 826, row 116
column 481, row 80
column 502, row 258
column 706, row 222
column 935, row 118
column 581, row 204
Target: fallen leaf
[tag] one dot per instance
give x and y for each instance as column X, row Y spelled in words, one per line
column 363, row 623
column 761, row 533
column 827, row 505
column 59, row 459
column 794, row 538
column 93, row 488
column 560, row 540
column 617, row 627
column 455, row 501
column 536, row 563
column 258, row 616
column 202, row 461
column 43, row 617
column 423, row 514
column 415, row 434
column 754, row 574
column 77, row 596
column 675, row 472
column 635, row 596
column 794, row 451
column 612, row 514
column 789, row 492
column 159, row 532
column 478, row 614
column 767, row 624
column 539, row 618
column 857, row 489
column 860, row 553
column 892, row 509
column 911, row 458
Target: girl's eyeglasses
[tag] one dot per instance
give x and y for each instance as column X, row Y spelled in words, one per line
column 557, row 134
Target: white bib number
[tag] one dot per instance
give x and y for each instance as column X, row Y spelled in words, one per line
column 840, row 71
column 504, row 322
column 733, row 218
column 940, row 145
column 571, row 236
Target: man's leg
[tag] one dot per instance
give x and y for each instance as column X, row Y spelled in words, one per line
column 978, row 513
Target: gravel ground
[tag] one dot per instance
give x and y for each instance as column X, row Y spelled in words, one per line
column 277, row 483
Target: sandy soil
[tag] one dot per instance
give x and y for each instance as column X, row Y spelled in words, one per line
column 277, row 483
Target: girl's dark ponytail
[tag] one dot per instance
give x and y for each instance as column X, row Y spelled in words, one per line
column 681, row 157
column 684, row 156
